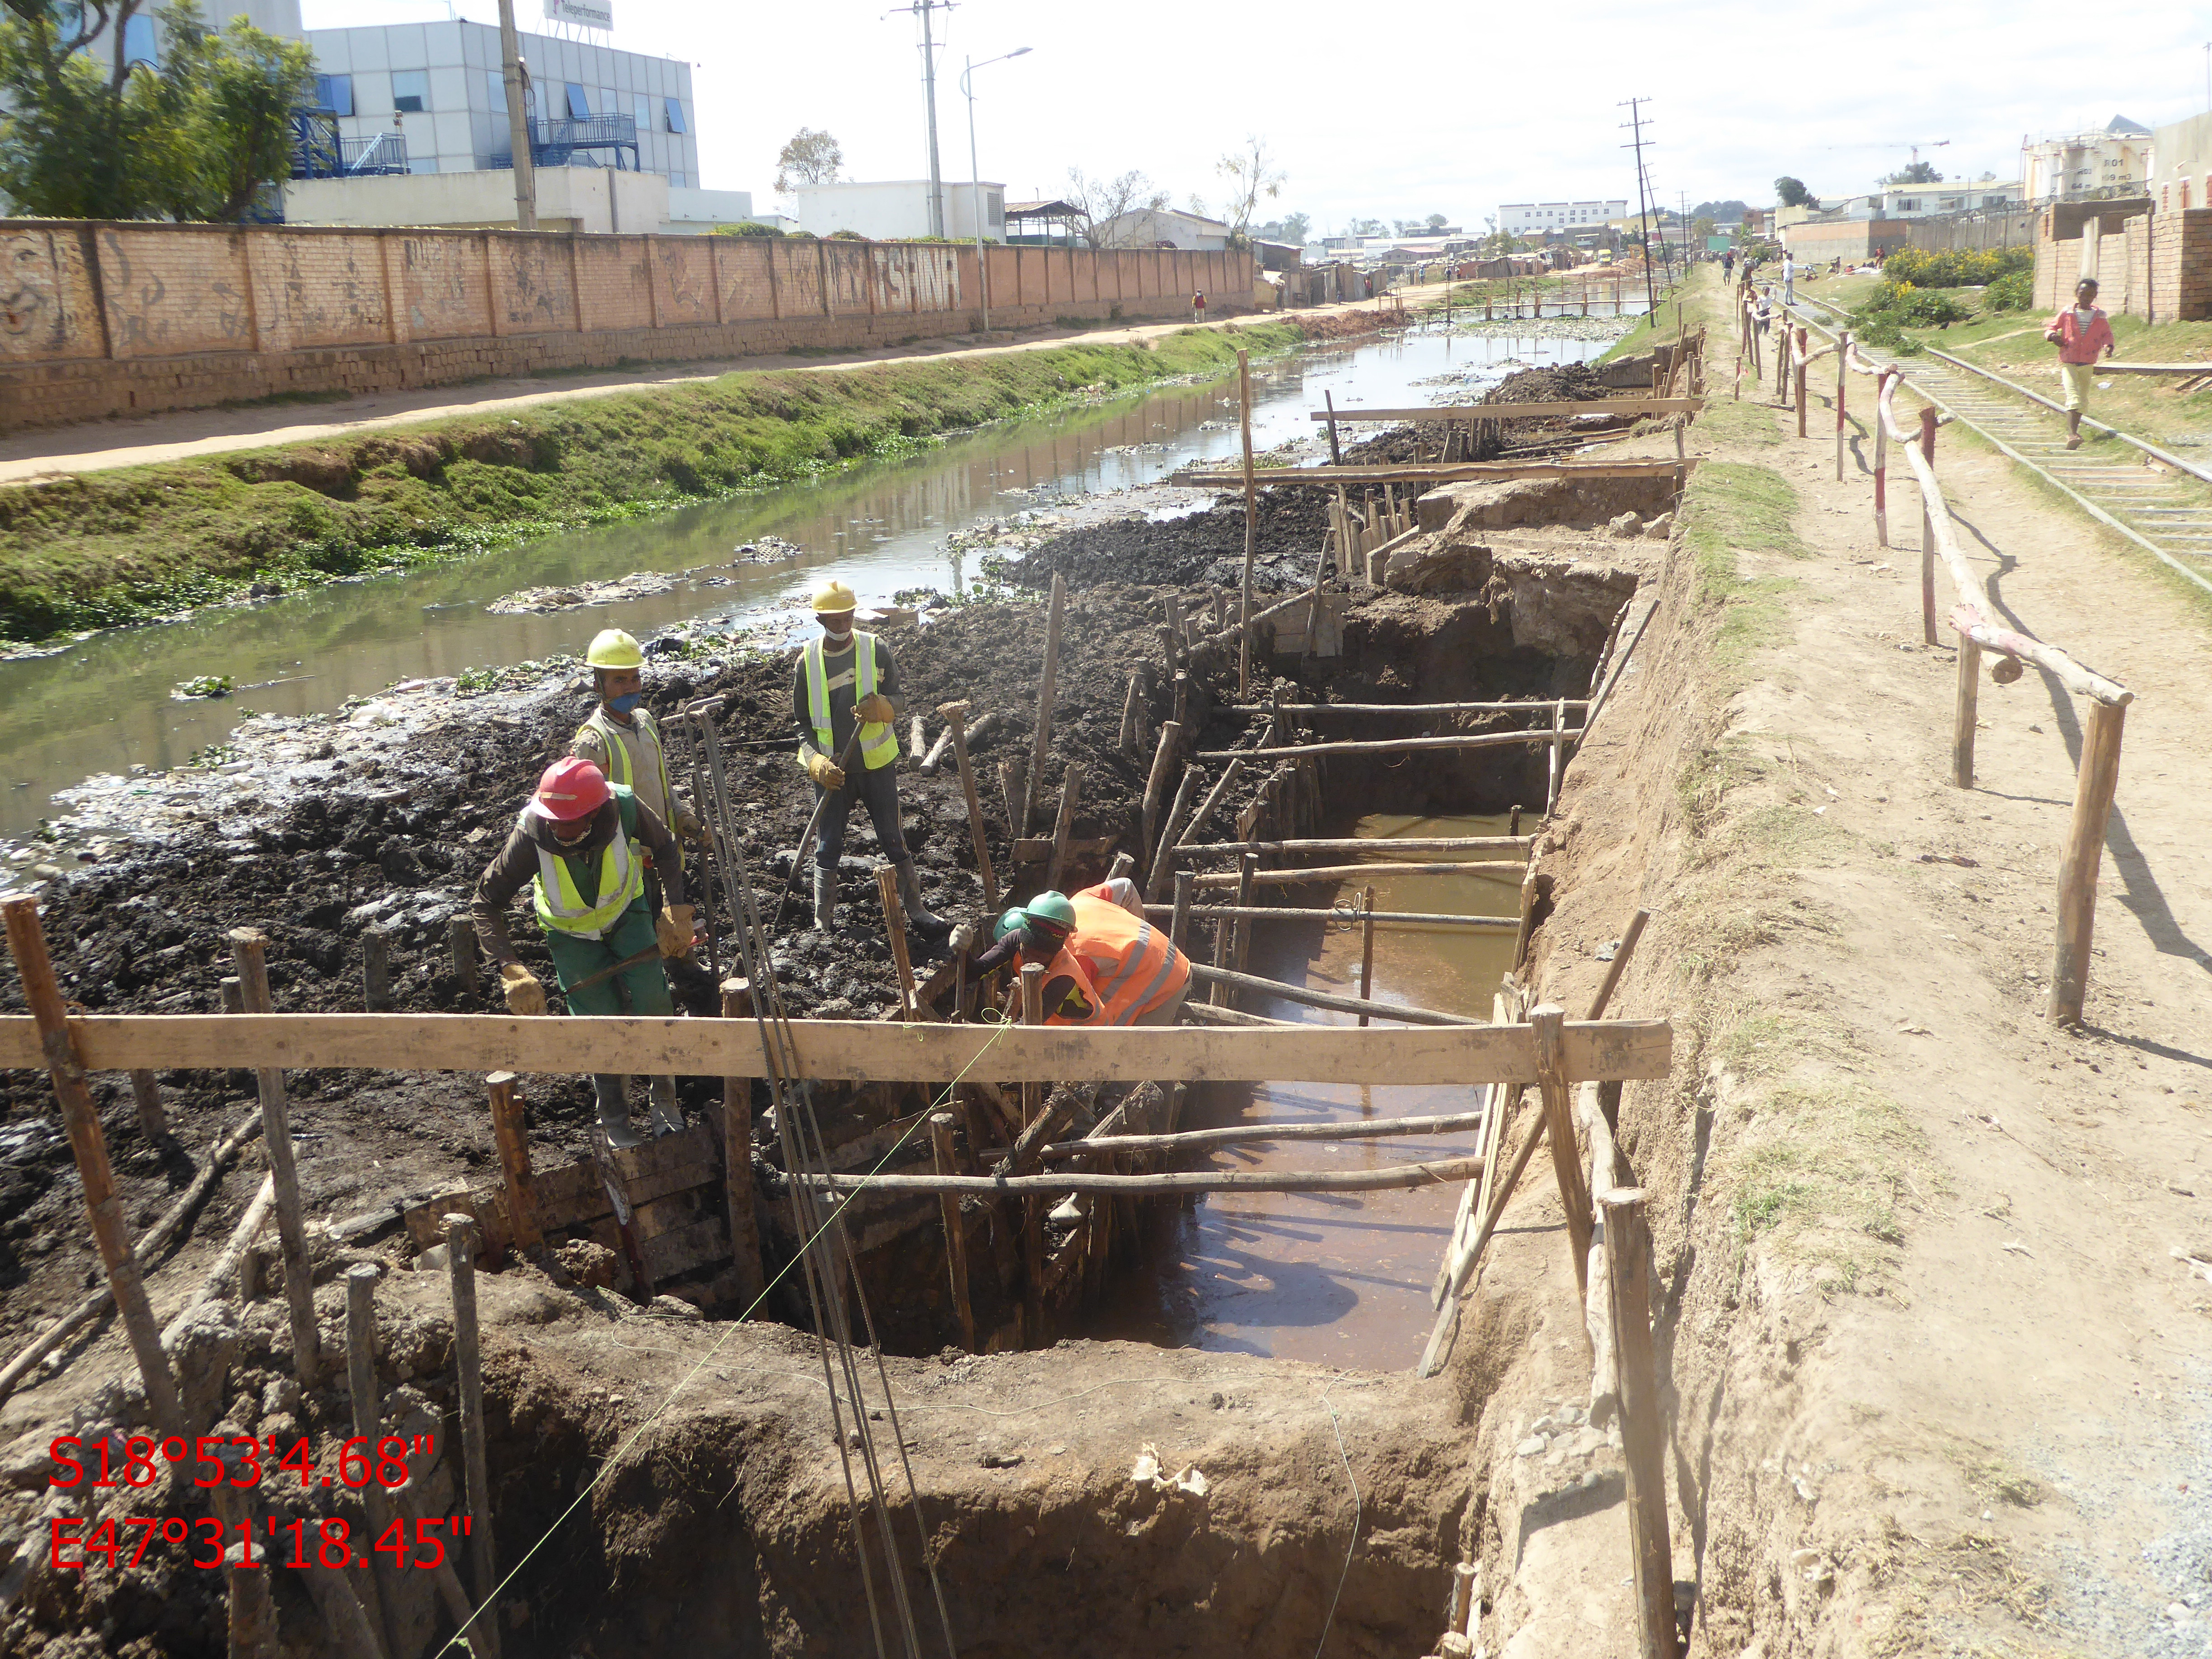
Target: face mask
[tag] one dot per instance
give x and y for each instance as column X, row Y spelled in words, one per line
column 568, row 835
column 625, row 702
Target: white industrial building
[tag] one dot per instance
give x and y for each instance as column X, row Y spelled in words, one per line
column 1163, row 228
column 897, row 210
column 1533, row 218
column 2114, row 160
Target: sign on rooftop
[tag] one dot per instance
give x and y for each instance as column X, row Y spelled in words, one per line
column 590, row 14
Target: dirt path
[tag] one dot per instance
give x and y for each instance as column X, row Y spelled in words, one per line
column 183, row 433
column 1940, row 1383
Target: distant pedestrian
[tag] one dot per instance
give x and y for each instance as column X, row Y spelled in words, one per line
column 2078, row 332
column 1728, row 264
column 1788, row 278
column 1762, row 314
column 1197, row 308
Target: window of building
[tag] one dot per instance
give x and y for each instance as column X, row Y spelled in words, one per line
column 641, row 113
column 335, row 93
column 674, row 108
column 138, row 41
column 679, row 179
column 410, row 91
column 580, row 107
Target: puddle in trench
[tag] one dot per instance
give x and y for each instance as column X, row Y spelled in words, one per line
column 104, row 706
column 1333, row 1277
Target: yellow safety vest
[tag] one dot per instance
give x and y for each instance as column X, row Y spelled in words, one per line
column 618, row 769
column 879, row 739
column 554, row 894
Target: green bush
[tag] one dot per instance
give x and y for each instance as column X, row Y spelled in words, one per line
column 1896, row 307
column 1921, row 269
column 2014, row 291
column 846, row 236
column 749, row 227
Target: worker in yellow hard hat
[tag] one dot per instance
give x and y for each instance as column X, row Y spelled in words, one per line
column 846, row 681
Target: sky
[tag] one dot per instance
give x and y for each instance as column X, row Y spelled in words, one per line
column 1435, row 106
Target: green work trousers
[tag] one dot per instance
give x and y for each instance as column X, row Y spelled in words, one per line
column 644, row 988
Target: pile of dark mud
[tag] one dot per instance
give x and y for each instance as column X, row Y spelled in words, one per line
column 1204, row 549
column 1522, row 439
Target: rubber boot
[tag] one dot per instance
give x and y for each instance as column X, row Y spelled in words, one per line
column 613, row 1092
column 825, row 898
column 919, row 915
column 662, row 1111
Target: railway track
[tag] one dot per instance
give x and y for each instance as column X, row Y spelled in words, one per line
column 2156, row 500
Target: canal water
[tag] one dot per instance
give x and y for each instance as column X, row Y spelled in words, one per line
column 105, row 706
column 1337, row 1279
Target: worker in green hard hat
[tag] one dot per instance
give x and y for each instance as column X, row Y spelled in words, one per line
column 621, row 738
column 1038, row 932
column 845, row 686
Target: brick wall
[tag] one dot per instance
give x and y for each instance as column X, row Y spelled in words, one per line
column 2156, row 266
column 105, row 319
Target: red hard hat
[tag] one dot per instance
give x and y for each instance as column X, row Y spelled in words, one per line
column 571, row 789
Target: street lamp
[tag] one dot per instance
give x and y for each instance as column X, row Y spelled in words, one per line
column 975, row 176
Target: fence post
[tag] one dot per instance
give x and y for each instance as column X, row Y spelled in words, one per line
column 1927, row 532
column 1642, row 1425
column 2094, row 782
column 1803, row 339
column 1843, row 380
column 737, row 1157
column 1881, row 457
column 248, row 946
column 1962, row 713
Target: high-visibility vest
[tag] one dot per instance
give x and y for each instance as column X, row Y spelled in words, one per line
column 879, row 739
column 618, row 767
column 560, row 906
column 1133, row 964
column 1070, row 998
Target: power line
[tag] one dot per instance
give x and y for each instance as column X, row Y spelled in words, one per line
column 1634, row 106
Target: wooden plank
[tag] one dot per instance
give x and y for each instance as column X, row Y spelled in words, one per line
column 1396, row 745
column 1359, row 844
column 1208, row 478
column 863, row 1051
column 1292, row 875
column 1194, row 1181
column 1525, row 412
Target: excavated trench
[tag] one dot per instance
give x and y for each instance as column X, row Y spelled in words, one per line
column 671, row 1476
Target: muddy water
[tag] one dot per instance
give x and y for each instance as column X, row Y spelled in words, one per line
column 1337, row 1278
column 105, row 706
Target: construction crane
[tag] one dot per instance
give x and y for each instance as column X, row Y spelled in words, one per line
column 1916, row 147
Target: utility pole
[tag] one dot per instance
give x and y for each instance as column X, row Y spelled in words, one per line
column 515, row 77
column 923, row 10
column 1643, row 203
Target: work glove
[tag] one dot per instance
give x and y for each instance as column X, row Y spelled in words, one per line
column 687, row 826
column 825, row 772
column 673, row 930
column 874, row 709
column 962, row 936
column 525, row 996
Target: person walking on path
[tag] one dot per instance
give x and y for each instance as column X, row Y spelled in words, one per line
column 846, row 682
column 1198, row 306
column 623, row 740
column 1763, row 313
column 1728, row 264
column 1789, row 277
column 2079, row 333
column 578, row 846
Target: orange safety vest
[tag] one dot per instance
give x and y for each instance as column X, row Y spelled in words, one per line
column 1133, row 966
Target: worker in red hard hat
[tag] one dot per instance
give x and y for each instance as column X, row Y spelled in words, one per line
column 578, row 847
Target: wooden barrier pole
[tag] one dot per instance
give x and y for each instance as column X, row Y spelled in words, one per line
column 1038, row 1189
column 1070, row 796
column 461, row 935
column 1335, row 454
column 376, row 970
column 247, row 951
column 738, row 1160
column 1928, row 532
column 1618, row 965
column 894, row 930
column 468, row 1385
column 1157, row 885
column 1213, row 799
column 42, row 993
column 1843, row 380
column 1519, row 844
column 1367, row 949
column 513, row 1142
column 957, row 715
column 146, row 1098
column 2094, row 784
column 1548, row 1021
column 1803, row 366
column 1405, row 1015
column 1179, row 930
column 1127, row 741
column 1242, row 1134
column 1035, row 778
column 1251, row 528
column 1032, row 1013
column 1240, row 929
column 1348, row 915
column 956, row 1239
column 1156, row 789
column 1643, row 1420
column 381, row 1587
column 1881, row 461
column 1963, row 713
column 1275, row 750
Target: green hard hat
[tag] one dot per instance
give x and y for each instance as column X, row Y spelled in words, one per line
column 1052, row 910
column 1006, row 923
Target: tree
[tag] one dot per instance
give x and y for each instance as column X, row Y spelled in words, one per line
column 1437, row 221
column 1366, row 227
column 1919, row 173
column 1294, row 226
column 1104, row 200
column 1791, row 193
column 1252, row 173
column 1704, row 227
column 809, row 157
column 196, row 139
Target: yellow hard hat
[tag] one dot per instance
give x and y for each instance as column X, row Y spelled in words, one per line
column 612, row 649
column 833, row 596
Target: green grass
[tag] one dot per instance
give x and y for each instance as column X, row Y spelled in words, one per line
column 1822, row 1175
column 1731, row 508
column 101, row 549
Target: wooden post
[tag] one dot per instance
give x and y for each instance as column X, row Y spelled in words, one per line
column 146, row 1095
column 1247, row 868
column 1127, row 741
column 2094, row 784
column 1043, row 739
column 1802, row 340
column 1554, row 755
column 1179, row 931
column 1163, row 859
column 1070, row 794
column 1032, row 984
column 1643, row 1420
column 895, row 929
column 958, row 716
column 42, row 995
column 1881, row 459
column 1012, row 770
column 461, row 931
column 1156, row 788
column 1367, row 949
column 376, row 970
column 1548, row 1021
column 955, row 1239
column 381, row 1587
column 1928, row 532
column 1962, row 713
column 1335, row 454
column 513, row 1143
column 247, row 949
column 738, row 1159
column 1213, row 799
column 468, row 1384
column 1843, row 386
column 1171, row 603
column 1251, row 529
column 234, row 995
